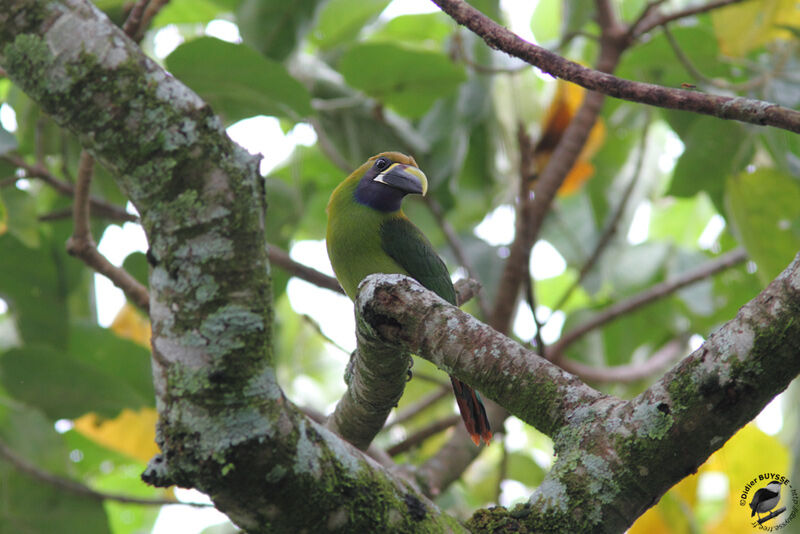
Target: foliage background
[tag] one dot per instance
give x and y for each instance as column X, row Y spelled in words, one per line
column 366, row 81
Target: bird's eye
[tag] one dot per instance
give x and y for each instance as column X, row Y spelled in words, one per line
column 381, row 163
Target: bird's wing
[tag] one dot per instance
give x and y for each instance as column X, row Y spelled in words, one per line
column 409, row 247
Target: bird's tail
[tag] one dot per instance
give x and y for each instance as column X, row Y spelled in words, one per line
column 472, row 412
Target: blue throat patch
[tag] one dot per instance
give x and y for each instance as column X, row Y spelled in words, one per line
column 378, row 196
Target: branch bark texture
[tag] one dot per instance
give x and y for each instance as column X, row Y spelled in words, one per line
column 224, row 425
column 606, row 447
column 723, row 107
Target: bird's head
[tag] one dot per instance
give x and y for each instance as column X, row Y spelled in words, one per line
column 386, row 178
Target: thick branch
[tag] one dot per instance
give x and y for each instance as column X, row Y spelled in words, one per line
column 225, row 426
column 397, row 311
column 724, row 107
column 605, row 446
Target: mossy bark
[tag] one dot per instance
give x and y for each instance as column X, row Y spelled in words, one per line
column 224, row 425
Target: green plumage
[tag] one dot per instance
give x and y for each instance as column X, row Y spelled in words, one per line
column 368, row 233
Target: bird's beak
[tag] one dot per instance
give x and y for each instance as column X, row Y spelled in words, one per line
column 406, row 178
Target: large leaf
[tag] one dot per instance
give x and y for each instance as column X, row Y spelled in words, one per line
column 714, row 150
column 188, row 12
column 408, row 80
column 340, row 21
column 749, row 25
column 22, row 219
column 654, row 61
column 28, row 504
column 274, row 27
column 100, row 372
column 764, row 207
column 30, row 280
column 237, row 81
column 8, row 141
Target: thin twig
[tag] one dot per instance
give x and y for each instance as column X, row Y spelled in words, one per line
column 651, row 294
column 461, row 54
column 424, row 403
column 531, row 301
column 630, row 372
column 99, row 206
column 82, row 245
column 643, row 26
column 282, row 259
column 318, row 329
column 724, row 107
column 134, row 21
column 758, row 81
column 150, row 11
column 73, row 486
column 424, row 433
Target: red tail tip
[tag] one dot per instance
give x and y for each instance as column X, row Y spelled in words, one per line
column 476, row 438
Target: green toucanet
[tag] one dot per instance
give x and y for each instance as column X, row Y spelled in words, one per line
column 368, row 233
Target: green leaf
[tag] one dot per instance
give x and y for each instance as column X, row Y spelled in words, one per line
column 764, row 207
column 188, row 12
column 30, row 505
column 8, row 141
column 340, row 21
column 714, row 150
column 62, row 386
column 237, row 81
column 654, row 61
column 23, row 222
column 429, row 30
column 681, row 220
column 408, row 80
column 521, row 467
column 546, row 20
column 127, row 361
column 100, row 372
column 136, row 264
column 576, row 14
column 31, row 283
column 274, row 27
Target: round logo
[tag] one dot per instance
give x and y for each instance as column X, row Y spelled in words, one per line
column 770, row 501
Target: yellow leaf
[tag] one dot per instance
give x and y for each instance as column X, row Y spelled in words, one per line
column 743, row 27
column 131, row 433
column 565, row 104
column 748, row 454
column 132, row 324
column 670, row 516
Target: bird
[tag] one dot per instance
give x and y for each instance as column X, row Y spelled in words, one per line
column 368, row 233
column 766, row 498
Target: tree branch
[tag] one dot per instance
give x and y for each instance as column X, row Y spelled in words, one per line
column 647, row 296
column 202, row 205
column 397, row 311
column 82, row 245
column 666, row 355
column 724, row 107
column 604, row 446
column 284, row 261
column 99, row 206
